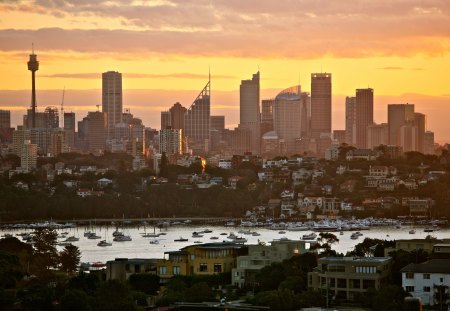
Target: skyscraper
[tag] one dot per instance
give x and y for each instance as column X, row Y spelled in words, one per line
column 419, row 122
column 266, row 115
column 165, row 120
column 428, row 143
column 112, row 100
column 33, row 66
column 69, row 128
column 170, row 141
column 197, row 122
column 5, row 119
column 364, row 115
column 250, row 116
column 92, row 129
column 350, row 119
column 218, row 123
column 320, row 104
column 398, row 115
column 377, row 134
column 287, row 117
column 28, row 156
column 177, row 112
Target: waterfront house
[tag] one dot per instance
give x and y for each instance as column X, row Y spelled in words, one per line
column 345, row 277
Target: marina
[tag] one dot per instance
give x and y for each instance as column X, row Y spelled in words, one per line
column 137, row 241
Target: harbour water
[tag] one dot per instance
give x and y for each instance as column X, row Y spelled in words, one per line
column 140, row 247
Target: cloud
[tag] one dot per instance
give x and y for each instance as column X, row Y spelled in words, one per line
column 139, row 76
column 251, row 28
column 399, row 68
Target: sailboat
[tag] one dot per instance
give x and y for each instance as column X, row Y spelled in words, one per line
column 151, row 235
column 122, row 238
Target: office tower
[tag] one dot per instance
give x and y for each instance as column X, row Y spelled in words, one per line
column 28, row 156
column 428, row 143
column 92, row 131
column 57, row 143
column 408, row 137
column 419, row 122
column 377, row 134
column 112, row 100
column 267, row 115
column 137, row 137
column 69, row 128
column 5, row 119
column 287, row 116
column 171, row 141
column 339, row 136
column 320, row 104
column 19, row 136
column 165, row 120
column 239, row 140
column 51, row 117
column 218, row 123
column 177, row 113
column 270, row 144
column 305, row 110
column 364, row 115
column 33, row 66
column 197, row 122
column 350, row 120
column 398, row 115
column 250, row 117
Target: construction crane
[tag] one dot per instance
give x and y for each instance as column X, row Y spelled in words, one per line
column 62, row 107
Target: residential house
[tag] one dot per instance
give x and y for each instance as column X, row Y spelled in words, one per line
column 429, row 281
column 121, row 268
column 346, row 277
column 362, row 154
column 262, row 255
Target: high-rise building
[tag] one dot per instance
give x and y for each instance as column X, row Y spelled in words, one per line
column 170, row 141
column 339, row 136
column 320, row 104
column 177, row 114
column 28, row 156
column 419, row 122
column 197, row 122
column 69, row 128
column 112, row 100
column 377, row 134
column 266, row 116
column 287, row 117
column 19, row 136
column 350, row 120
column 92, row 130
column 408, row 137
column 238, row 140
column 250, row 115
column 166, row 120
column 218, row 123
column 5, row 119
column 398, row 115
column 428, row 143
column 33, row 66
column 364, row 115
column 305, row 109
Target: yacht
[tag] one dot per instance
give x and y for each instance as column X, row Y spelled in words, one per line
column 354, row 236
column 103, row 243
column 281, row 232
column 214, row 238
column 412, row 231
column 72, row 239
column 232, row 236
column 197, row 235
column 223, row 233
column 310, row 236
column 150, row 235
column 154, row 242
column 181, row 239
column 117, row 233
column 93, row 236
column 122, row 238
column 87, row 233
column 206, row 231
column 240, row 240
column 254, row 233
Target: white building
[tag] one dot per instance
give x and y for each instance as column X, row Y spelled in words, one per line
column 225, row 164
column 424, row 280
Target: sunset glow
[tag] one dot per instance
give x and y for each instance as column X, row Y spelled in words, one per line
column 164, row 48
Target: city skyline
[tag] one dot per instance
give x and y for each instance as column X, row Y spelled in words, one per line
column 166, row 60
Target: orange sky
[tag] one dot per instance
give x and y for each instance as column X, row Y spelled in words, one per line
column 164, row 49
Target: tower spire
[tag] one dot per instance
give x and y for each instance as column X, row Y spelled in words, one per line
column 33, row 66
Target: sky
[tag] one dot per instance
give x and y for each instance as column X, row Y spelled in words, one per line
column 165, row 48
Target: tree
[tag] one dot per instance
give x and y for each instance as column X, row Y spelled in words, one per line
column 45, row 247
column 74, row 300
column 144, row 282
column 70, row 258
column 114, row 296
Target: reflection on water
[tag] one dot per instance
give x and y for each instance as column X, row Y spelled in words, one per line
column 140, row 247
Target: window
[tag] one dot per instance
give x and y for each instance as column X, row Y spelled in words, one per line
column 137, row 268
column 409, row 289
column 441, row 280
column 162, row 270
column 409, row 275
column 203, row 267
column 426, row 276
column 176, row 270
column 127, row 268
column 192, row 257
column 217, row 268
column 426, row 289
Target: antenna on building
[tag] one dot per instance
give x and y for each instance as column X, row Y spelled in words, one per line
column 32, row 48
column 62, row 107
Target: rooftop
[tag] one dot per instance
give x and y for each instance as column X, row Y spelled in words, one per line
column 356, row 259
column 430, row 266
